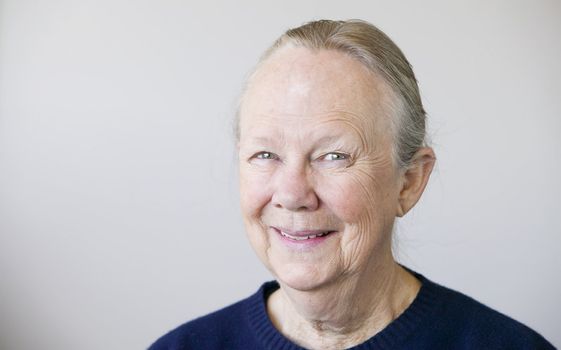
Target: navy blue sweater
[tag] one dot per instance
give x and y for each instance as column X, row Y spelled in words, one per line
column 438, row 318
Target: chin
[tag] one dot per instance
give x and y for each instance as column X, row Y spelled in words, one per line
column 300, row 276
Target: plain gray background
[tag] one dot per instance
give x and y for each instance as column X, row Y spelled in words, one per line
column 119, row 215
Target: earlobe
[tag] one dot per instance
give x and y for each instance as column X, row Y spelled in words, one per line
column 399, row 212
column 415, row 180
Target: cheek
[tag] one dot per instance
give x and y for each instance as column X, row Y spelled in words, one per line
column 341, row 198
column 254, row 196
column 254, row 192
column 363, row 202
column 359, row 197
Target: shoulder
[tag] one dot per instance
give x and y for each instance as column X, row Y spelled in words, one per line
column 465, row 321
column 206, row 332
column 225, row 328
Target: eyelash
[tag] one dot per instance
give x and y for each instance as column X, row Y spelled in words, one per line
column 342, row 156
column 261, row 155
column 271, row 156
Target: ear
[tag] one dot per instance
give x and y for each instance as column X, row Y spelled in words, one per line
column 415, row 179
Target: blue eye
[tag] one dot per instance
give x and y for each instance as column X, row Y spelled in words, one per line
column 265, row 155
column 335, row 156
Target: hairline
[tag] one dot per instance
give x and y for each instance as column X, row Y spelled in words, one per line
column 393, row 107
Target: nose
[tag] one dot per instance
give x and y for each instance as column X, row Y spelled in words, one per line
column 294, row 189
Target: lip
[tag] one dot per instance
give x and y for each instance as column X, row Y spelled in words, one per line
column 298, row 237
column 302, row 233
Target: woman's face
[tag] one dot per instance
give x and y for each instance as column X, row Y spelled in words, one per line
column 319, row 190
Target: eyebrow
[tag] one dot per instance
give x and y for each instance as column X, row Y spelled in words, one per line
column 323, row 138
column 327, row 139
column 262, row 138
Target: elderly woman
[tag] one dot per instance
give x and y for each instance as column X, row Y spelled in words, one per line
column 331, row 143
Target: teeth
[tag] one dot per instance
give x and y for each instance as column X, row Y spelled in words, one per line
column 303, row 238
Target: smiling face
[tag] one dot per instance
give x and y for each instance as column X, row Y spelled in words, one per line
column 319, row 189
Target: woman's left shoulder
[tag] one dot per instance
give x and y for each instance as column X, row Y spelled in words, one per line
column 481, row 325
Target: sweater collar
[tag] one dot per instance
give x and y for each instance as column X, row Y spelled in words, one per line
column 405, row 324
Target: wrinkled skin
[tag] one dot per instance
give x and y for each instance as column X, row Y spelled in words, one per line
column 315, row 153
column 292, row 103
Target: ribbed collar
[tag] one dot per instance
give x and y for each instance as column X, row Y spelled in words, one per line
column 399, row 329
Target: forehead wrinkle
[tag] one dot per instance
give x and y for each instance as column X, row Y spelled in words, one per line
column 361, row 127
column 258, row 128
column 358, row 124
column 365, row 117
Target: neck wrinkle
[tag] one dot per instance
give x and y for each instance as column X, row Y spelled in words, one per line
column 335, row 316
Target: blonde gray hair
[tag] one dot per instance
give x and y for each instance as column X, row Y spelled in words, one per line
column 375, row 50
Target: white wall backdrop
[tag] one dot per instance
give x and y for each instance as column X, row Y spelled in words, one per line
column 119, row 213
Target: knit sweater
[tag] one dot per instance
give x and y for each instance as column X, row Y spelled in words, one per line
column 438, row 318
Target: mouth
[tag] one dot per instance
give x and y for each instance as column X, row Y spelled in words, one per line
column 305, row 235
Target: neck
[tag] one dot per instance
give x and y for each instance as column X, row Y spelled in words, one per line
column 342, row 315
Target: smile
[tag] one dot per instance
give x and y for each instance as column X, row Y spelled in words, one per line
column 302, row 238
column 302, row 235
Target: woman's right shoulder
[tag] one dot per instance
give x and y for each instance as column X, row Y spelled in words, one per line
column 198, row 332
column 228, row 327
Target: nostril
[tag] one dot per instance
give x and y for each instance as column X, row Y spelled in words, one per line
column 303, row 202
column 294, row 190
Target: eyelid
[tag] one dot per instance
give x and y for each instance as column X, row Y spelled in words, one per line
column 259, row 155
column 342, row 155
